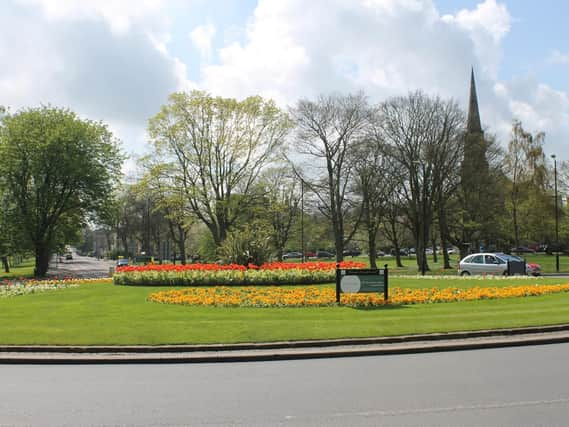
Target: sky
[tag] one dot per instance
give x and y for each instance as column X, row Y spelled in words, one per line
column 117, row 61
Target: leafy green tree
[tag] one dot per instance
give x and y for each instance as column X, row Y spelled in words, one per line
column 159, row 182
column 528, row 195
column 58, row 169
column 280, row 205
column 217, row 148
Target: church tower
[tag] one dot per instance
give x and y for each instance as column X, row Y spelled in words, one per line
column 473, row 125
column 475, row 178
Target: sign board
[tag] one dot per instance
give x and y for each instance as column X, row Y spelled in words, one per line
column 361, row 281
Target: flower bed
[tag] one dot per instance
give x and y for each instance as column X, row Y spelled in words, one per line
column 276, row 273
column 11, row 288
column 314, row 297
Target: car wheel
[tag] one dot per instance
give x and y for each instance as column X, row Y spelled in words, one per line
column 505, row 273
column 465, row 273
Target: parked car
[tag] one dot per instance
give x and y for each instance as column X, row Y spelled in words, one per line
column 324, row 254
column 290, row 255
column 380, row 253
column 522, row 250
column 122, row 262
column 310, row 254
column 492, row 263
column 402, row 251
column 352, row 252
column 68, row 255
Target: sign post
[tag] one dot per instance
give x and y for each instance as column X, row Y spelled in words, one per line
column 361, row 281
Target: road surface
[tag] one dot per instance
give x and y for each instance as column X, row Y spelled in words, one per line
column 506, row 387
column 80, row 266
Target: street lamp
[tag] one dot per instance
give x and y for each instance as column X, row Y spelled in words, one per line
column 302, row 218
column 556, row 214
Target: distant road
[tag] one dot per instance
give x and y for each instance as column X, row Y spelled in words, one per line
column 524, row 386
column 80, row 266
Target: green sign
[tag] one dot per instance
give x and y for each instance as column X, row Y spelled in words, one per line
column 356, row 283
column 361, row 281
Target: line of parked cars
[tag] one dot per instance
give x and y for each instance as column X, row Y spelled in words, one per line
column 317, row 254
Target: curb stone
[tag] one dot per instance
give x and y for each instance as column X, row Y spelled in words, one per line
column 285, row 350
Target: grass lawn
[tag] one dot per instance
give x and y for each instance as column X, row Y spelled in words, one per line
column 107, row 314
column 25, row 269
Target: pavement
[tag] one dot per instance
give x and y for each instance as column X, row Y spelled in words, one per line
column 284, row 350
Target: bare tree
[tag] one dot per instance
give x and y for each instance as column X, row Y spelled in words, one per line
column 420, row 133
column 375, row 180
column 327, row 129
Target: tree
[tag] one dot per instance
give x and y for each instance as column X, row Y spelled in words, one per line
column 326, row 132
column 159, row 182
column 526, row 168
column 375, row 180
column 282, row 205
column 218, row 147
column 58, row 169
column 421, row 134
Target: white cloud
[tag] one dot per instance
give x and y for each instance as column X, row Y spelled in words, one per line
column 540, row 109
column 557, row 57
column 486, row 25
column 119, row 15
column 297, row 48
column 113, row 60
column 66, row 58
column 202, row 37
column 300, row 49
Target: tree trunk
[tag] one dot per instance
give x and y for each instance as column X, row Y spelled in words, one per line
column 372, row 249
column 434, row 245
column 42, row 253
column 515, row 221
column 421, row 240
column 444, row 240
column 396, row 244
column 5, row 264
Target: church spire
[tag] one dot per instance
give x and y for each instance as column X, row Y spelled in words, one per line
column 473, row 120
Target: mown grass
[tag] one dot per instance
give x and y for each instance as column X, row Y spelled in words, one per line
column 106, row 314
column 25, row 269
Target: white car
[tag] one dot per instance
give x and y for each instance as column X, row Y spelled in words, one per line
column 493, row 264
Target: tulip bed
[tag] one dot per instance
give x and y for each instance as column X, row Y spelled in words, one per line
column 275, row 273
column 315, row 297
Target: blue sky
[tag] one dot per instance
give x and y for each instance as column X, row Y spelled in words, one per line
column 117, row 61
column 538, row 29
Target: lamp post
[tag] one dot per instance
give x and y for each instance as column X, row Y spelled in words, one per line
column 302, row 218
column 556, row 214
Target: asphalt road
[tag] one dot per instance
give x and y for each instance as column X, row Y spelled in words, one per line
column 80, row 266
column 506, row 387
